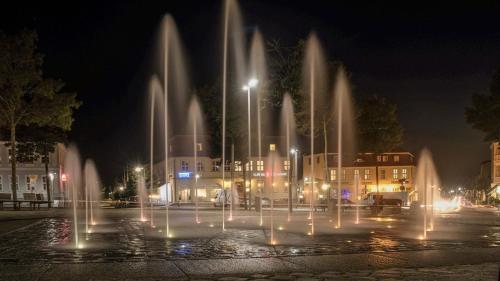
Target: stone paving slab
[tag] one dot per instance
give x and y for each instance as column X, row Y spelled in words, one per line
column 235, row 266
column 21, row 272
column 444, row 257
column 111, row 271
column 343, row 262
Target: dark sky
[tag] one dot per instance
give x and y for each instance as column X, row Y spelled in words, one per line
column 429, row 58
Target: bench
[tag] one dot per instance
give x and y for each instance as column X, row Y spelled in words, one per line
column 34, row 199
column 5, row 197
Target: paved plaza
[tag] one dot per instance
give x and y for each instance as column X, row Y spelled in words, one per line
column 39, row 245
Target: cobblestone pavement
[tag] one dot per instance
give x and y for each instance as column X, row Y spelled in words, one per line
column 122, row 238
column 483, row 272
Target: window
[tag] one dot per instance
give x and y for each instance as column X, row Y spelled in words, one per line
column 1, row 183
column 272, row 147
column 497, row 171
column 227, row 166
column 404, row 173
column 367, row 174
column 309, row 160
column 184, row 166
column 317, row 159
column 343, row 174
column 385, row 158
column 260, row 165
column 249, row 168
column 286, row 165
column 395, row 174
column 199, row 146
column 379, row 158
column 215, row 166
column 237, row 166
column 356, row 174
column 333, row 174
column 199, row 166
column 396, row 158
column 44, row 182
column 382, row 174
column 28, row 183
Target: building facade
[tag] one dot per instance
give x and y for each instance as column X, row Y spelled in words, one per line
column 366, row 173
column 249, row 178
column 31, row 177
column 495, row 170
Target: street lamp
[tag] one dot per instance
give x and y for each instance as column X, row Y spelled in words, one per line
column 251, row 84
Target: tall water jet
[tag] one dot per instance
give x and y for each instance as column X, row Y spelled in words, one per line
column 195, row 119
column 173, row 58
column 92, row 193
column 288, row 122
column 314, row 83
column 426, row 181
column 258, row 71
column 73, row 171
column 356, row 196
column 345, row 131
column 233, row 28
column 141, row 188
column 273, row 162
column 156, row 112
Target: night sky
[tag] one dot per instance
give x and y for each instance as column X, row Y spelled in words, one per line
column 429, row 58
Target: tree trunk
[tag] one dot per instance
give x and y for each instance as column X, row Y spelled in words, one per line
column 47, row 178
column 13, row 164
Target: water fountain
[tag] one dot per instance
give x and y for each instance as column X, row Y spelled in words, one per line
column 92, row 194
column 345, row 131
column 73, row 170
column 426, row 182
column 173, row 82
column 314, row 83
column 273, row 161
column 288, row 121
column 195, row 119
column 258, row 71
column 156, row 111
column 232, row 28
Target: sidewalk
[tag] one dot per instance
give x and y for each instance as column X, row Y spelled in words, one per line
column 465, row 264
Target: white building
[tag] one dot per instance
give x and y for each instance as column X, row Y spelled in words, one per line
column 31, row 176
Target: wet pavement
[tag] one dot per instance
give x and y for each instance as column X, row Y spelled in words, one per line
column 120, row 237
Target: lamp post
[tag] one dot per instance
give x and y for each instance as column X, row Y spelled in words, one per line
column 251, row 84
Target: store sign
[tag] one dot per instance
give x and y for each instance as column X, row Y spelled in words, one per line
column 184, row 175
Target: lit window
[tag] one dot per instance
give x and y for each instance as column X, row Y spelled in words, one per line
column 382, row 174
column 237, row 166
column 404, row 173
column 199, row 166
column 286, row 165
column 367, row 174
column 184, row 166
column 379, row 158
column 343, row 174
column 249, row 168
column 227, row 166
column 199, row 146
column 396, row 158
column 385, row 158
column 395, row 174
column 272, row 147
column 260, row 165
column 44, row 182
column 333, row 174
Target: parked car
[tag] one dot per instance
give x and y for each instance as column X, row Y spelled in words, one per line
column 131, row 202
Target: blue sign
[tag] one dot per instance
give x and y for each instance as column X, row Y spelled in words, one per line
column 184, row 175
